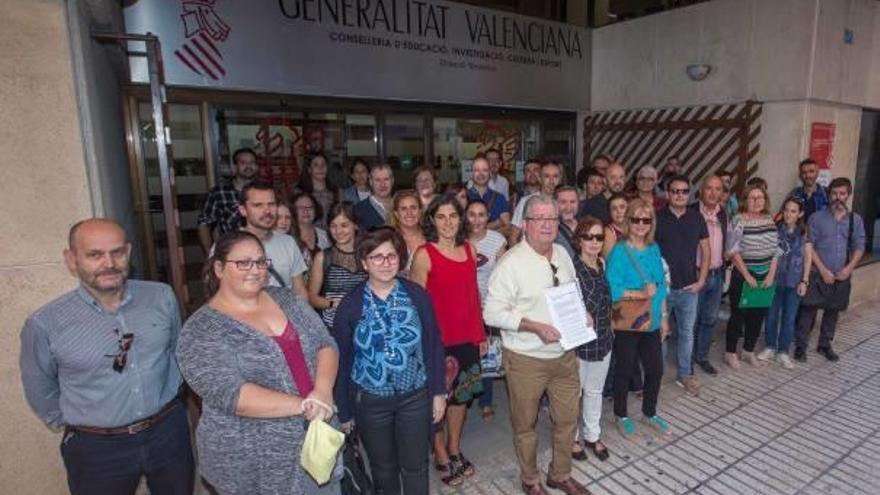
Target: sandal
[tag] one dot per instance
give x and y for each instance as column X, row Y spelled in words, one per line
column 488, row 413
column 462, row 465
column 625, row 427
column 453, row 476
column 578, row 455
column 601, row 453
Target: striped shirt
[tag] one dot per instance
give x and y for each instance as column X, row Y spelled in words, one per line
column 487, row 252
column 338, row 280
column 756, row 240
column 67, row 352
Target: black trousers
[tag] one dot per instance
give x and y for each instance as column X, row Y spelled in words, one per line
column 805, row 321
column 100, row 465
column 396, row 434
column 630, row 349
column 751, row 320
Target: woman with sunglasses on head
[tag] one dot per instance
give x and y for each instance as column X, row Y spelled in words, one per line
column 791, row 276
column 309, row 238
column 595, row 356
column 490, row 246
column 262, row 362
column 446, row 266
column 406, row 215
column 336, row 271
column 754, row 250
column 614, row 231
column 391, row 366
column 635, row 271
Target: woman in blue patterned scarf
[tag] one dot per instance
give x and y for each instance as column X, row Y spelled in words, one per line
column 391, row 382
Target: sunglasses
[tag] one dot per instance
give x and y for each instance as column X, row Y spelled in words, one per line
column 593, row 237
column 555, row 278
column 121, row 356
column 245, row 265
column 683, row 191
column 641, row 220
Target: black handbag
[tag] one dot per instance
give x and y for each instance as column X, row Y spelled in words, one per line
column 355, row 479
column 833, row 296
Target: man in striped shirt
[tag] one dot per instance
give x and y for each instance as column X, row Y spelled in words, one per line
column 98, row 362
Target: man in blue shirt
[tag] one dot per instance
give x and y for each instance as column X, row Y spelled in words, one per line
column 496, row 203
column 837, row 249
column 812, row 195
column 98, row 362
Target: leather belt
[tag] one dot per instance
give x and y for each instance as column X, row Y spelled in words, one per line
column 133, row 428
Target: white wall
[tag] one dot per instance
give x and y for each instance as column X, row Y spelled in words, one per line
column 759, row 49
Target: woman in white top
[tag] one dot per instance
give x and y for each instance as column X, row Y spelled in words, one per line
column 490, row 246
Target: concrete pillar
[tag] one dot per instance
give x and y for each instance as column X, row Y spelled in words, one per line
column 44, row 186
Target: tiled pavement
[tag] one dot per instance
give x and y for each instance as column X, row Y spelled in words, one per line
column 811, row 430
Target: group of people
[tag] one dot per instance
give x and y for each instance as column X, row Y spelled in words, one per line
column 373, row 310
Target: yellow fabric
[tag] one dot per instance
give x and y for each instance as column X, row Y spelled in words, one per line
column 319, row 450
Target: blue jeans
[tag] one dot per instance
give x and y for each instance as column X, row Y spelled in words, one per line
column 485, row 399
column 682, row 306
column 781, row 318
column 98, row 464
column 707, row 313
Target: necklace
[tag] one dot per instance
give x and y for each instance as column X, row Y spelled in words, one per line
column 386, row 335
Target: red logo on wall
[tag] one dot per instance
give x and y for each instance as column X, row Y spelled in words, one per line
column 205, row 31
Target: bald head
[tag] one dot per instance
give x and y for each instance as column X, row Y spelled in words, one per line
column 615, row 176
column 92, row 226
column 98, row 255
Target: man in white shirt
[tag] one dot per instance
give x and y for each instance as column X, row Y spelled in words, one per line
column 534, row 360
column 259, row 208
column 551, row 176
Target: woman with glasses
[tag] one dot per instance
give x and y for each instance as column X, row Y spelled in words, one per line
column 335, row 270
column 406, row 213
column 309, row 238
column 490, row 246
column 614, row 231
column 426, row 183
column 754, row 250
column 446, row 266
column 595, row 356
column 264, row 365
column 314, row 181
column 391, row 366
column 635, row 272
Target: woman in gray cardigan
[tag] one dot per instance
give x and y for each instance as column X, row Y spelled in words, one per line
column 264, row 365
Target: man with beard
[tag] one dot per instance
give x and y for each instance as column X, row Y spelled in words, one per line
column 615, row 179
column 259, row 208
column 812, row 195
column 98, row 362
column 220, row 211
column 838, row 238
column 595, row 204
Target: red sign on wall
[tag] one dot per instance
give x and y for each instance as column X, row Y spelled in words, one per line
column 821, row 143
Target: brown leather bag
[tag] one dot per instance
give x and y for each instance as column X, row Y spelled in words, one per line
column 632, row 314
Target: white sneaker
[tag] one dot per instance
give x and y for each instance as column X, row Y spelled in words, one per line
column 785, row 361
column 766, row 354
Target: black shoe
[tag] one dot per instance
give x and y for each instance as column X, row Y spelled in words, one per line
column 601, row 454
column 828, row 353
column 707, row 367
column 800, row 355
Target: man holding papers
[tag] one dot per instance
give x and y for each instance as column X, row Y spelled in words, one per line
column 534, row 359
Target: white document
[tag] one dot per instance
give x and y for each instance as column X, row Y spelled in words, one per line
column 569, row 315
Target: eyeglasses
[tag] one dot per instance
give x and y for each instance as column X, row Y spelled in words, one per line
column 383, row 259
column 641, row 220
column 245, row 265
column 121, row 356
column 555, row 278
column 593, row 237
column 682, row 191
column 647, row 178
column 544, row 220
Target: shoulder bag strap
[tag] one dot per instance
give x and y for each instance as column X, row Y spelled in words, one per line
column 849, row 238
column 635, row 263
column 325, row 268
column 277, row 276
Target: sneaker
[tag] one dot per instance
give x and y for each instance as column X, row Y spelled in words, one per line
column 800, row 355
column 707, row 367
column 766, row 354
column 785, row 361
column 626, row 427
column 829, row 353
column 658, row 424
column 689, row 384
